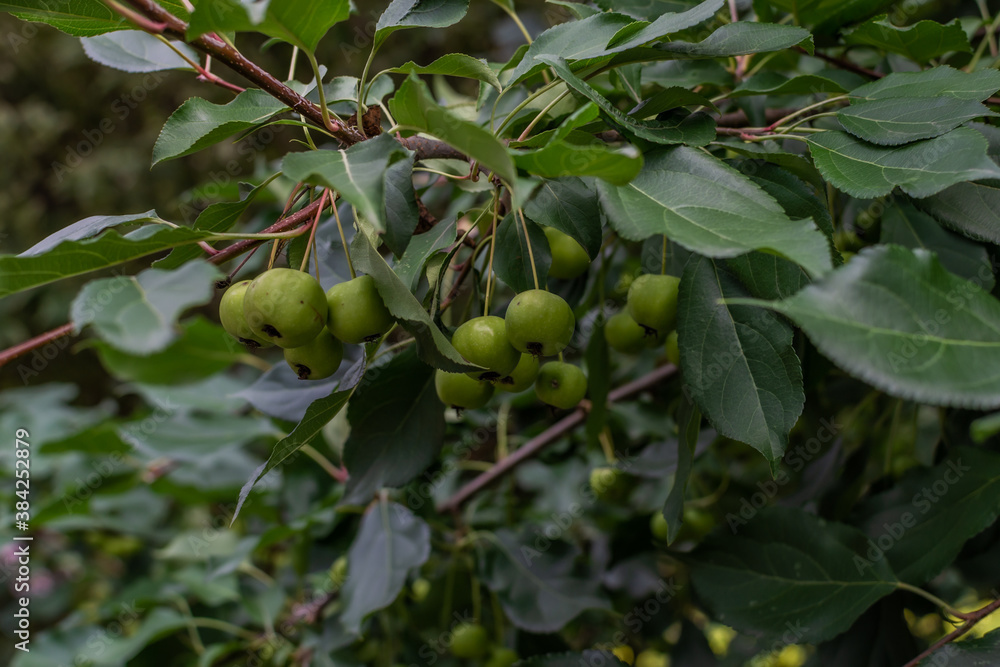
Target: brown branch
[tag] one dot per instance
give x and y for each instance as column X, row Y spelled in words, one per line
column 842, row 63
column 970, row 621
column 550, row 435
column 16, row 351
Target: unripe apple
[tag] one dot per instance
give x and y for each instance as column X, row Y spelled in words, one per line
column 569, row 259
column 560, row 384
column 652, row 302
column 539, row 322
column 624, row 653
column 672, row 350
column 608, row 484
column 483, row 342
column 502, row 657
column 234, row 320
column 522, row 377
column 469, row 640
column 285, row 307
column 320, row 358
column 625, row 334
column 357, row 313
column 659, row 527
column 461, row 392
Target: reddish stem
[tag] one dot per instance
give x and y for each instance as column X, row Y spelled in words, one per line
column 970, row 621
column 16, row 351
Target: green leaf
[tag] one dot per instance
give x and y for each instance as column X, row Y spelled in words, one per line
column 217, row 217
column 136, row 51
column 418, row 14
column 904, row 225
column 198, row 124
column 773, row 83
column 421, row 248
column 537, row 589
column 317, row 415
column 688, row 429
column 710, row 208
column 569, row 205
column 587, row 157
column 795, row 197
column 827, row 15
column 138, row 314
column 202, row 349
column 923, row 41
column 598, row 363
column 921, row 169
column 768, row 276
column 981, row 652
column 696, row 129
column 71, row 258
column 787, row 569
column 972, row 209
column 732, row 39
column 513, row 259
column 640, row 32
column 794, row 163
column 87, row 228
column 739, row 362
column 413, row 106
column 935, row 82
column 433, row 346
column 901, row 120
column 299, row 22
column 390, row 543
column 81, row 18
column 357, row 173
column 401, row 212
column 454, row 64
column 384, row 452
column 588, row 657
column 900, row 321
column 921, row 524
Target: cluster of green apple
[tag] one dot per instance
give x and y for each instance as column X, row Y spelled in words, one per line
column 471, row 641
column 649, row 319
column 289, row 309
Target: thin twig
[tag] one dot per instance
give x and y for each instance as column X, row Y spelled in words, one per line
column 971, row 620
column 550, row 435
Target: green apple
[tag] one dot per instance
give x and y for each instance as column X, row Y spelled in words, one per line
column 502, row 657
column 560, row 384
column 320, row 358
column 652, row 302
column 285, row 307
column 672, row 350
column 483, row 342
column 469, row 640
column 234, row 320
column 357, row 313
column 460, row 391
column 624, row 334
column 569, row 259
column 539, row 322
column 522, row 377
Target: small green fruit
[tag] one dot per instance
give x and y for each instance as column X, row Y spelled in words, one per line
column 460, row 391
column 652, row 302
column 624, row 334
column 659, row 527
column 560, row 384
column 539, row 322
column 522, row 377
column 483, row 342
column 607, row 483
column 569, row 259
column 233, row 319
column 469, row 640
column 502, row 657
column 651, row 658
column 357, row 313
column 698, row 521
column 420, row 589
column 317, row 359
column 672, row 350
column 285, row 307
column 624, row 653
column 338, row 571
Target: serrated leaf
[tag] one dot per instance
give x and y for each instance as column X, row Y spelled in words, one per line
column 696, row 129
column 454, row 64
column 688, row 429
column 904, row 225
column 198, row 124
column 433, row 346
column 87, row 228
column 901, row 120
column 421, row 248
column 71, row 258
column 935, row 82
column 773, row 83
column 414, row 106
column 384, row 452
column 390, row 543
column 418, row 14
column 972, row 209
column 317, row 415
column 537, row 589
column 710, row 208
column 732, row 39
column 202, row 349
column 589, row 157
column 921, row 524
column 900, row 321
column 739, row 363
column 922, row 41
column 786, row 569
column 138, row 314
column 81, row 18
column 828, row 15
column 299, row 22
column 794, row 163
column 357, row 173
column 136, row 51
column 640, row 32
column 921, row 169
column 569, row 205
column 512, row 262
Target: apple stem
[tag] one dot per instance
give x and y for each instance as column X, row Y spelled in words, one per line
column 343, row 240
column 663, row 257
column 489, row 269
column 531, row 254
column 312, row 236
